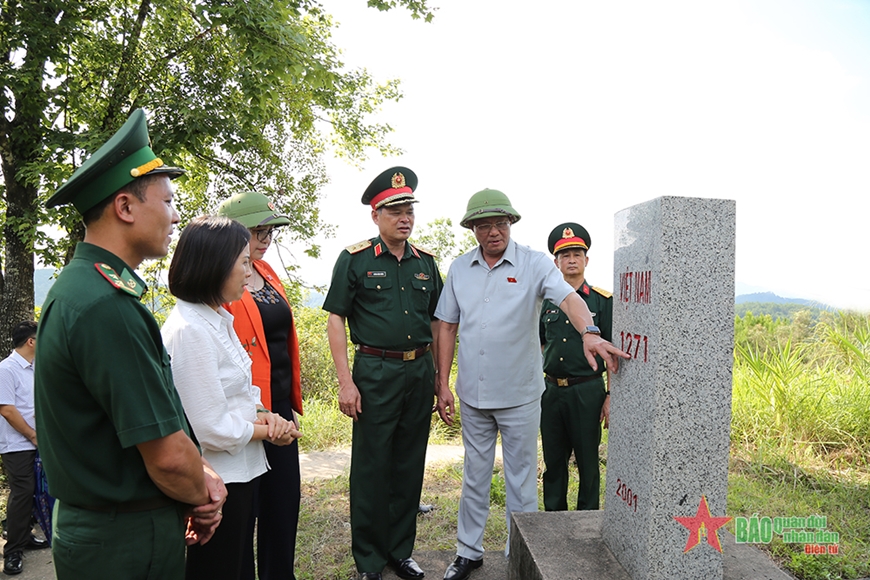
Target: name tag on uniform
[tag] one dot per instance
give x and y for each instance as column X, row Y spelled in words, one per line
column 377, row 274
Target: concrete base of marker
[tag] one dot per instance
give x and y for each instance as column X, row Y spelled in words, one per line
column 559, row 545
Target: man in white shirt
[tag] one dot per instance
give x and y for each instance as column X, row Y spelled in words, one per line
column 495, row 293
column 18, row 444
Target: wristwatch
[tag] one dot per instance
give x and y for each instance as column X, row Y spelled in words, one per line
column 591, row 330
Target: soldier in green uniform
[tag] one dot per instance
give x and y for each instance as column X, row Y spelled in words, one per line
column 386, row 290
column 112, row 432
column 576, row 400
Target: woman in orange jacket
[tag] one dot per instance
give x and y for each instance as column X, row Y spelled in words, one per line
column 263, row 320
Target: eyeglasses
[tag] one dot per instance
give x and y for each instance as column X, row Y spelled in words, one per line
column 264, row 235
column 486, row 228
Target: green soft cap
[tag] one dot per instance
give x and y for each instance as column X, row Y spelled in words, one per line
column 488, row 203
column 122, row 159
column 252, row 209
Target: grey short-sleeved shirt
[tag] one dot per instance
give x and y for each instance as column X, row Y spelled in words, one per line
column 497, row 310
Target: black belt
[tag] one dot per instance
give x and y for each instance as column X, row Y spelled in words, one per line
column 405, row 355
column 566, row 382
column 128, row 507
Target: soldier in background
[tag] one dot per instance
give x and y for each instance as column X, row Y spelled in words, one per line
column 575, row 400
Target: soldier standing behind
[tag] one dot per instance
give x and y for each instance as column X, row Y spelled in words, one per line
column 112, row 433
column 575, row 401
column 386, row 289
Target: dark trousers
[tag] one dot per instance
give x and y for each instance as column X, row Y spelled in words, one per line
column 570, row 422
column 18, row 466
column 388, row 457
column 278, row 507
column 226, row 555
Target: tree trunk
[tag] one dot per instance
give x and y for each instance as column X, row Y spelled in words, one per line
column 16, row 299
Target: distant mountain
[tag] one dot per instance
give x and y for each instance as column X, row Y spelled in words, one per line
column 771, row 297
column 764, row 303
column 315, row 299
column 43, row 278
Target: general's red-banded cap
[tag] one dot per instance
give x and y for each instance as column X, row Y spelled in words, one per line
column 568, row 235
column 394, row 186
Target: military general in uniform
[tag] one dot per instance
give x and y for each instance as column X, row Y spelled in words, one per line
column 112, row 433
column 386, row 289
column 575, row 400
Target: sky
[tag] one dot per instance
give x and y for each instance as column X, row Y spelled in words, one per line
column 577, row 109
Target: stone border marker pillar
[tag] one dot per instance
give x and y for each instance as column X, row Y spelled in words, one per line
column 673, row 311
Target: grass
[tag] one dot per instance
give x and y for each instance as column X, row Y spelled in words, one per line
column 800, row 441
column 323, row 542
column 770, row 485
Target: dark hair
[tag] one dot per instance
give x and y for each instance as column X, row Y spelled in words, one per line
column 136, row 187
column 206, row 253
column 23, row 331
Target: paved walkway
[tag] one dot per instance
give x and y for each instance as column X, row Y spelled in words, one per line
column 314, row 465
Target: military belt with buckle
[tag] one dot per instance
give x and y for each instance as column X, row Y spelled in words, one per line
column 405, row 355
column 568, row 381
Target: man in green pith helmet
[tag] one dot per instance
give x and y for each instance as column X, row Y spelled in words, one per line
column 130, row 484
column 386, row 290
column 575, row 400
column 494, row 293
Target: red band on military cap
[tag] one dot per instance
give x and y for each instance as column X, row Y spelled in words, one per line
column 389, row 193
column 574, row 242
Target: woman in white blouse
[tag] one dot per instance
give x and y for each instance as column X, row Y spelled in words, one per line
column 212, row 373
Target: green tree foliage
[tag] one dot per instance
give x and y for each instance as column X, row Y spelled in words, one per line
column 438, row 237
column 242, row 94
column 319, row 380
column 777, row 309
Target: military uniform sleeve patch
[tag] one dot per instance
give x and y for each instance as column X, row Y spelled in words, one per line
column 603, row 292
column 126, row 283
column 424, row 250
column 358, row 247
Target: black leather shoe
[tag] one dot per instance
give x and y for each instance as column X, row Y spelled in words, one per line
column 425, row 508
column 36, row 543
column 461, row 568
column 369, row 576
column 13, row 563
column 407, row 569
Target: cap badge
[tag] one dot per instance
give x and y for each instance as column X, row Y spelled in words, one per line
column 271, row 206
column 567, row 233
column 398, row 180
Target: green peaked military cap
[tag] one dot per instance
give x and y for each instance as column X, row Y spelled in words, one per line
column 394, row 186
column 568, row 235
column 123, row 158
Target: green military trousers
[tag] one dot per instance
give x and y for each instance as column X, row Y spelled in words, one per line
column 388, row 456
column 90, row 545
column 570, row 422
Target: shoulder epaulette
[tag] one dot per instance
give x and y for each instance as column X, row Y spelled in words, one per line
column 603, row 292
column 425, row 250
column 126, row 283
column 359, row 246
